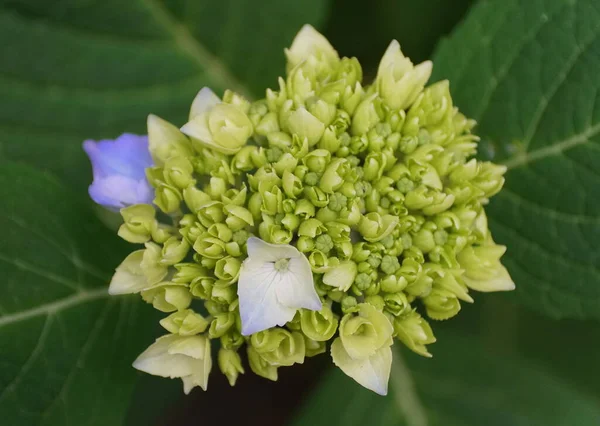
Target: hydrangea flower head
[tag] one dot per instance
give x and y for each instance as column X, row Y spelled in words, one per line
column 331, row 216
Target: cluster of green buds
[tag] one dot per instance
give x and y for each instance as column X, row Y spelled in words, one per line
column 329, row 211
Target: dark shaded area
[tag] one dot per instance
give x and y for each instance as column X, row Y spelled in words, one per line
column 356, row 29
column 252, row 401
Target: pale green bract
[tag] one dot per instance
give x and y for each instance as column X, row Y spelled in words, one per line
column 326, row 212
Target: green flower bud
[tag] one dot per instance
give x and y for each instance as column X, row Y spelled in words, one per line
column 375, row 227
column 166, row 141
column 421, row 286
column 351, row 98
column 238, row 217
column 322, row 110
column 260, row 366
column 274, row 233
column 248, row 158
column 350, row 71
column 228, row 269
column 393, row 284
column 314, row 347
column 348, row 304
column 264, row 179
column 230, row 97
column 268, row 124
column 216, row 187
column 279, row 347
column 195, row 198
column 376, row 301
column 311, row 228
column 185, row 323
column 230, row 364
column 304, row 209
column 223, row 292
column 319, row 326
column 441, row 304
column 396, row 303
column 168, row 296
column 232, row 339
column 374, row 166
column 364, row 334
column 367, row 114
column 167, row 198
column 139, row 222
column 329, row 141
column 318, row 261
column 211, row 213
column 220, row 231
column 299, row 85
column 178, row 172
column 414, row 332
column 292, row 185
column 341, row 276
column 337, row 202
column 187, row 272
column 221, row 324
column 398, row 81
column 490, row 178
column 389, row 264
column 210, row 247
column 313, row 50
column 305, row 125
column 305, row 244
column 224, row 128
column 483, row 270
column 174, row 251
column 334, row 174
column 424, row 240
column 324, row 243
column 316, row 196
column 317, row 160
column 286, row 162
column 202, row 287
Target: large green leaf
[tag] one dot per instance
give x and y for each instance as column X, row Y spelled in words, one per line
column 417, row 25
column 463, row 385
column 528, row 72
column 72, row 69
column 66, row 347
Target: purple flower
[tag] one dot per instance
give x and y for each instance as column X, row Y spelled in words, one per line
column 119, row 171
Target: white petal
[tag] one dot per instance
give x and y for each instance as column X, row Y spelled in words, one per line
column 297, row 289
column 201, row 369
column 157, row 361
column 259, row 307
column 129, row 277
column 197, row 128
column 373, row 373
column 267, row 252
column 204, row 100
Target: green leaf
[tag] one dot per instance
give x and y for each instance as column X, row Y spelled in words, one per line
column 463, row 385
column 78, row 70
column 417, row 25
column 527, row 71
column 66, row 346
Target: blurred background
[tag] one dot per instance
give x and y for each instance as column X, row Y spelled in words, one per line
column 78, row 69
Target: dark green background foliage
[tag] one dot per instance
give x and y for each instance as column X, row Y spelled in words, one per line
column 527, row 70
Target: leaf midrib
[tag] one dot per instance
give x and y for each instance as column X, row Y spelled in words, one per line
column 55, row 306
column 554, row 149
column 208, row 62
